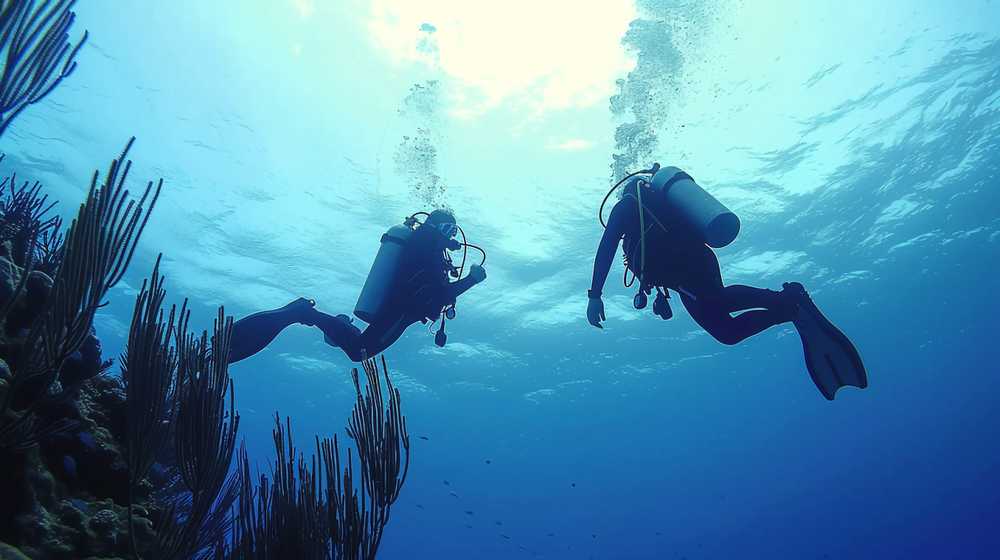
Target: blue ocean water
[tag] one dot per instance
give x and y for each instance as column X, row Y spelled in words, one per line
column 857, row 142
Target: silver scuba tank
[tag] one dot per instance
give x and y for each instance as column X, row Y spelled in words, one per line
column 383, row 273
column 700, row 211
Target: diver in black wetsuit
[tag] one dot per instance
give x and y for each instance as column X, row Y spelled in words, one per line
column 419, row 293
column 678, row 259
column 669, row 225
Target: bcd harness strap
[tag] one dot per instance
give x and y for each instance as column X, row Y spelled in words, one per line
column 643, row 230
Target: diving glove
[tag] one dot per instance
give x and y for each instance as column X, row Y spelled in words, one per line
column 595, row 311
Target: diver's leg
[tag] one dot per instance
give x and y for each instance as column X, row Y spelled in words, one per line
column 358, row 346
column 253, row 333
column 711, row 304
column 738, row 297
column 383, row 334
column 712, row 316
column 761, row 309
column 338, row 331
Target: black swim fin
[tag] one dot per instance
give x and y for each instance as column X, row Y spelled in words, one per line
column 831, row 358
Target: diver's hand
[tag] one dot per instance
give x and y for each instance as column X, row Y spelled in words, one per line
column 477, row 273
column 595, row 312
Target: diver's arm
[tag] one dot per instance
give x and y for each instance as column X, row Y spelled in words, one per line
column 476, row 275
column 458, row 288
column 606, row 250
column 613, row 234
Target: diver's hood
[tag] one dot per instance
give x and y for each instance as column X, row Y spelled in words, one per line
column 439, row 216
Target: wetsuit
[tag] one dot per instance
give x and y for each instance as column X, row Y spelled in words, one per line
column 678, row 260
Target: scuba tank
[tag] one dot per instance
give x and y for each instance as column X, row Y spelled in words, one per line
column 717, row 225
column 384, row 271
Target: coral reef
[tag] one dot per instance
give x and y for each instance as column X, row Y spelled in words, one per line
column 180, row 415
column 62, row 472
column 180, row 407
column 140, row 465
column 66, row 494
column 314, row 509
column 97, row 250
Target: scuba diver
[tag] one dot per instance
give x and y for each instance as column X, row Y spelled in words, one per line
column 409, row 281
column 670, row 225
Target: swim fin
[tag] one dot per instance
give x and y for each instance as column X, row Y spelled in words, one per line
column 831, row 358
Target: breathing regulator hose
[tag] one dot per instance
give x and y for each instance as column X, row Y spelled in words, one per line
column 465, row 251
column 480, row 249
column 600, row 212
column 413, row 218
column 466, row 245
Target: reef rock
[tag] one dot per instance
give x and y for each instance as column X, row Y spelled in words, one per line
column 10, row 277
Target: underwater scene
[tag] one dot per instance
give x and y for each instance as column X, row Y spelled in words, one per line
column 629, row 279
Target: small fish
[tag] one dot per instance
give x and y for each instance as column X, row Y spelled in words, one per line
column 467, row 526
column 658, row 533
column 446, row 483
column 504, row 536
column 552, row 534
column 453, row 494
column 593, row 535
column 499, row 523
column 488, row 462
column 425, row 438
column 522, row 547
column 572, row 484
column 420, row 506
column 469, row 512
